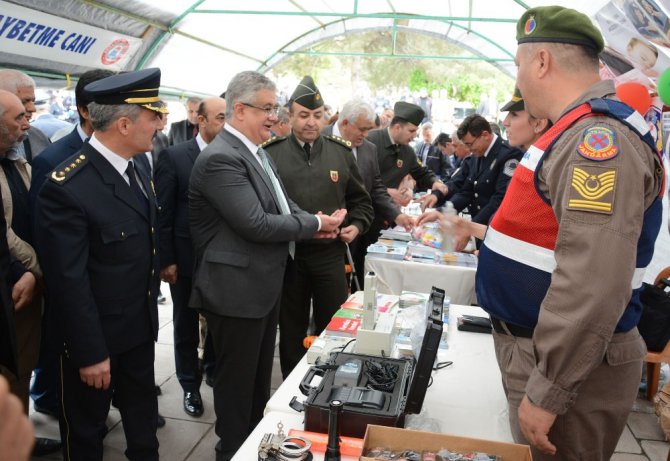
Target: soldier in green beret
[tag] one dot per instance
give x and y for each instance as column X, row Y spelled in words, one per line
column 563, row 259
column 320, row 175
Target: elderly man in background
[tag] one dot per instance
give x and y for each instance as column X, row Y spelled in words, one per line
column 356, row 120
column 186, row 129
column 23, row 86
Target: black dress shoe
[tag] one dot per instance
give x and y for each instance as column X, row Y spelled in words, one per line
column 160, row 421
column 44, row 446
column 193, row 403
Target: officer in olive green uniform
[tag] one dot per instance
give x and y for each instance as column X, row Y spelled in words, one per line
column 320, row 174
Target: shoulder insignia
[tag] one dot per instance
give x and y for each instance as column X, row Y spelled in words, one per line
column 67, row 169
column 592, row 189
column 599, row 144
column 510, row 167
column 339, row 140
column 273, row 140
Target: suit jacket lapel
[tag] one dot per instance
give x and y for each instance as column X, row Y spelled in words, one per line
column 113, row 178
column 255, row 164
column 193, row 150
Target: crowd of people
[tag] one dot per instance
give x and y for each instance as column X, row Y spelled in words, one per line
column 247, row 209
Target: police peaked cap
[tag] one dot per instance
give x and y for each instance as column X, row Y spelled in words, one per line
column 515, row 104
column 307, row 94
column 408, row 111
column 140, row 88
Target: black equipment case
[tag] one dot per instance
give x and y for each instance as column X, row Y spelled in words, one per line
column 406, row 396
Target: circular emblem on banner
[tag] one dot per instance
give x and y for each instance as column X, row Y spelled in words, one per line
column 530, row 25
column 115, row 51
column 599, row 144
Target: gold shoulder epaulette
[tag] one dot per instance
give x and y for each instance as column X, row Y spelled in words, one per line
column 67, row 169
column 273, row 140
column 339, row 140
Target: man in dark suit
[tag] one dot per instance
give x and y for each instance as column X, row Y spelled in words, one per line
column 186, row 129
column 356, row 120
column 97, row 241
column 243, row 225
column 173, row 171
column 429, row 153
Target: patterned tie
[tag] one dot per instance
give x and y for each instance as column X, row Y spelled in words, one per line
column 137, row 190
column 283, row 204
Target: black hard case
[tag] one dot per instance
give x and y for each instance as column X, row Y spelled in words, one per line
column 407, row 396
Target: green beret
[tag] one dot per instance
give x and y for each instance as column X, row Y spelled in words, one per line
column 307, row 94
column 515, row 104
column 408, row 111
column 559, row 25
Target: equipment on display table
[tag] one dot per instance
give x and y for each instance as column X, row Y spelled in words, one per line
column 374, row 390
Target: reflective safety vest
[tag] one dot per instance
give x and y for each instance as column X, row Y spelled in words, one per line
column 517, row 258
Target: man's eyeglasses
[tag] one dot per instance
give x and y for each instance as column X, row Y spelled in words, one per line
column 269, row 111
column 470, row 144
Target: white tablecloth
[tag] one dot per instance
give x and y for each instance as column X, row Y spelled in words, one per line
column 466, row 398
column 394, row 276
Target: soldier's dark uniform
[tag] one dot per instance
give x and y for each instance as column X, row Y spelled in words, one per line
column 487, row 180
column 326, row 180
column 397, row 161
column 98, row 248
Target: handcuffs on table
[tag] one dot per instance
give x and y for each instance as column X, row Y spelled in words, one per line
column 279, row 447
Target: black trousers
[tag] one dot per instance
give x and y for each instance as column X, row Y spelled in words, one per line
column 244, row 350
column 84, row 408
column 318, row 277
column 187, row 337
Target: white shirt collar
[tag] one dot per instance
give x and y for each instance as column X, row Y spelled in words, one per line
column 82, row 133
column 119, row 163
column 201, row 142
column 250, row 145
column 495, row 136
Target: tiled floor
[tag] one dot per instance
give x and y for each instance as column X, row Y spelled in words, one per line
column 193, row 439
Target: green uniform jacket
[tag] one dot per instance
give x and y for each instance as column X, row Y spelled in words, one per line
column 329, row 180
column 397, row 162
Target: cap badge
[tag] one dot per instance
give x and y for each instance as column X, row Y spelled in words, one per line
column 530, row 26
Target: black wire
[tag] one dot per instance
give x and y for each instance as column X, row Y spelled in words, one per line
column 440, row 365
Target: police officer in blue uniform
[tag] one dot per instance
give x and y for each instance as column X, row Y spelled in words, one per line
column 96, row 221
column 491, row 168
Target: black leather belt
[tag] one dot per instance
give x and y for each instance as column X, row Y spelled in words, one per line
column 516, row 330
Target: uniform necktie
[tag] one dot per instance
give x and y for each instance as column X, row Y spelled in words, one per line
column 137, row 190
column 308, row 149
column 283, row 204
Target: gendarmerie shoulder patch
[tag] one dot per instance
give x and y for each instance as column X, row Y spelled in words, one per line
column 599, row 144
column 273, row 140
column 67, row 169
column 592, row 189
column 339, row 140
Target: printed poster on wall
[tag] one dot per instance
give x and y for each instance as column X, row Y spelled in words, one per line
column 39, row 35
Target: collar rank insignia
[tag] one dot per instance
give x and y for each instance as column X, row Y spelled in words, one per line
column 334, row 175
column 599, row 144
column 592, row 189
column 399, row 163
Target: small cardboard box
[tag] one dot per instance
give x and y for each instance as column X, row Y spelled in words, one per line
column 405, row 439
